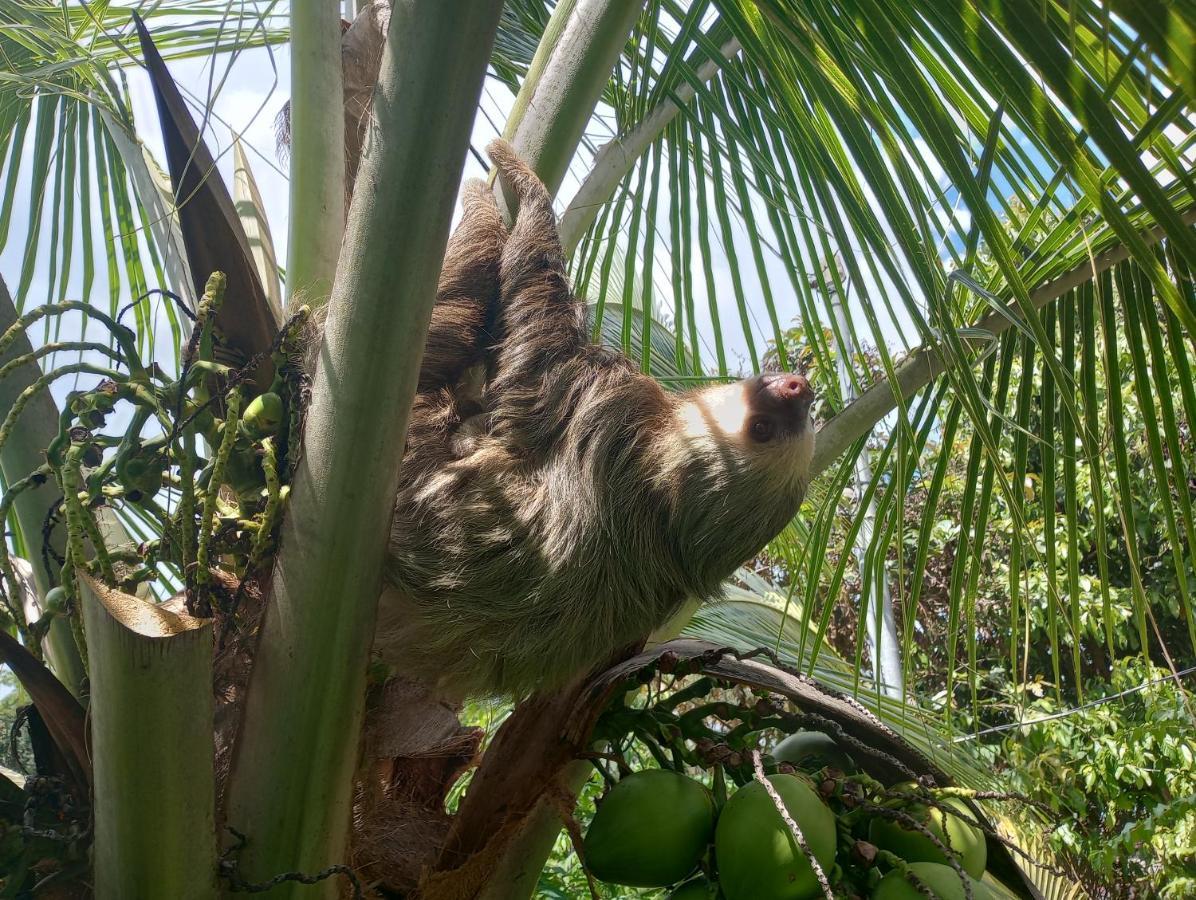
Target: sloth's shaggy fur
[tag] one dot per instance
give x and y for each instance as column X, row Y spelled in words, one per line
column 556, row 504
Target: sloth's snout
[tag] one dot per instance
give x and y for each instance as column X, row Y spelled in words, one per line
column 790, row 389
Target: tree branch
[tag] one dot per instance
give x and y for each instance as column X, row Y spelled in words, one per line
column 925, row 364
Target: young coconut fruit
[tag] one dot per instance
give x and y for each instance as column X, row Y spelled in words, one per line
column 54, row 603
column 651, row 830
column 263, row 416
column 943, row 880
column 758, row 859
column 966, row 840
column 812, row 750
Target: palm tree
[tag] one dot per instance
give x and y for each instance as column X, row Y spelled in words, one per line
column 1007, row 185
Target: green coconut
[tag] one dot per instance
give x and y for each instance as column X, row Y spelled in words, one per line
column 758, row 858
column 966, row 840
column 263, row 415
column 812, row 750
column 700, row 888
column 943, row 880
column 651, row 830
column 55, row 601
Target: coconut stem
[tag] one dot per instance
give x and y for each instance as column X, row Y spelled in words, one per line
column 794, row 828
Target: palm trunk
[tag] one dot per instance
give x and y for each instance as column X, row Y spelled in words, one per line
column 290, row 789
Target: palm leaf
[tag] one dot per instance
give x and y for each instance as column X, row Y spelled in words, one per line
column 212, row 232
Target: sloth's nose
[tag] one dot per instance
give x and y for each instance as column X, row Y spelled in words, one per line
column 790, row 388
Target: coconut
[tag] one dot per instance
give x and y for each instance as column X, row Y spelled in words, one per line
column 651, row 830
column 964, row 839
column 943, row 880
column 812, row 750
column 758, row 859
column 263, row 415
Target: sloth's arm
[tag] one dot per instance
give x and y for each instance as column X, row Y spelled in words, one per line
column 542, row 330
column 463, row 323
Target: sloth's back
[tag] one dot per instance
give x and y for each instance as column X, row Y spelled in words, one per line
column 512, row 571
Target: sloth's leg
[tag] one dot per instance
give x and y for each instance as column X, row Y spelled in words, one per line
column 463, row 319
column 541, row 325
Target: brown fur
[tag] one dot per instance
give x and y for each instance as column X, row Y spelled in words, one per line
column 563, row 505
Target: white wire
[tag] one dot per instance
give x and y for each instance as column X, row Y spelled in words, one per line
column 1075, row 709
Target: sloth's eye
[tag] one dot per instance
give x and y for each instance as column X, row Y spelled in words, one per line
column 762, row 430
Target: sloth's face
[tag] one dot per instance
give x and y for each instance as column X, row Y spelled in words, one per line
column 734, row 469
column 763, row 422
column 777, row 409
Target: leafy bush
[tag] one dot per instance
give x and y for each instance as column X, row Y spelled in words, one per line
column 1121, row 774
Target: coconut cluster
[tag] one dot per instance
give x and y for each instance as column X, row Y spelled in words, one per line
column 815, row 827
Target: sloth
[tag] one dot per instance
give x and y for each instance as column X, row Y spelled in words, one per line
column 556, row 505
